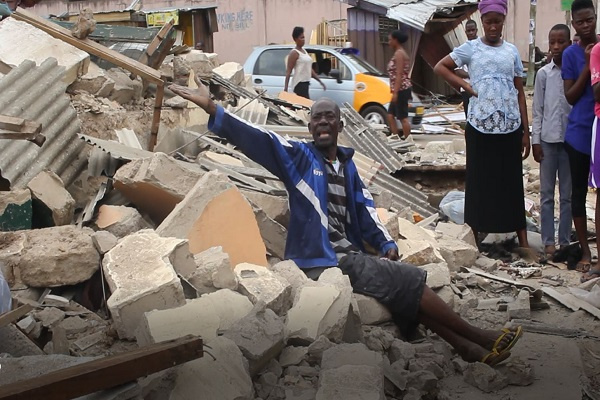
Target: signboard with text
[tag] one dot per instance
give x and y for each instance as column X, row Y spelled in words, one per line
column 161, row 18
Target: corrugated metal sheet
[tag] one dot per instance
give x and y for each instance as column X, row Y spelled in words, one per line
column 38, row 93
column 417, row 14
column 117, row 150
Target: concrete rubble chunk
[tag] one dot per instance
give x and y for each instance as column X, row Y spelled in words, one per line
column 202, row 64
column 262, row 285
column 444, row 147
column 11, row 247
column 424, row 381
column 214, row 213
column 418, row 252
column 260, row 337
column 58, row 256
column 350, row 354
column 125, row 89
column 72, row 325
column 52, row 204
column 121, row 220
column 521, row 307
column 230, row 306
column 438, row 275
column 293, row 356
column 94, row 82
column 518, row 372
column 223, row 378
column 16, row 369
column 317, row 348
column 156, row 184
column 276, row 207
column 231, row 71
column 21, row 41
column 484, row 377
column 351, row 382
column 410, row 231
column 274, row 235
column 487, row 264
column 460, row 232
column 424, row 364
column 457, row 253
column 304, row 319
column 213, row 271
column 27, row 324
column 390, row 221
column 142, row 281
column 15, row 210
column 104, row 241
column 333, row 324
column 401, row 351
column 50, row 316
column 378, row 339
column 265, row 385
column 176, row 102
column 289, row 271
column 84, row 25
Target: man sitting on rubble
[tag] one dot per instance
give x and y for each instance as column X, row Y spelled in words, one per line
column 332, row 213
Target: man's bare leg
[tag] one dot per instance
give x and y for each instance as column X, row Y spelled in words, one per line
column 522, row 236
column 405, row 127
column 581, row 231
column 595, row 271
column 392, row 123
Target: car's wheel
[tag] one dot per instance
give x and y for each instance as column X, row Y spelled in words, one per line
column 374, row 115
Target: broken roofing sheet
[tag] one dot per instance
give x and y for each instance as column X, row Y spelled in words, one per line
column 37, row 93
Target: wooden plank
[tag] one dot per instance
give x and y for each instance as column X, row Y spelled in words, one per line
column 160, row 93
column 19, row 125
column 106, row 372
column 89, row 46
column 497, row 278
column 14, row 315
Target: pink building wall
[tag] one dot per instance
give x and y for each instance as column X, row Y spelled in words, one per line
column 242, row 24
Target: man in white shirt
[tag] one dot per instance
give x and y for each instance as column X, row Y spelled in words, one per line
column 463, row 72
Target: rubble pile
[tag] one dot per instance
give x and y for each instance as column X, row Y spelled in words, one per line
column 190, row 239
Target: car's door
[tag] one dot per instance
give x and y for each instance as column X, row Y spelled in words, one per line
column 269, row 70
column 341, row 92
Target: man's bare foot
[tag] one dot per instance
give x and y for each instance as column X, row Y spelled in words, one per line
column 506, row 339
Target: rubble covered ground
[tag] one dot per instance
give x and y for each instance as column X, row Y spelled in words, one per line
column 139, row 247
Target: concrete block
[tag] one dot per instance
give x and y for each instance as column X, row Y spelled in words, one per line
column 58, row 256
column 213, row 272
column 289, row 271
column 484, row 377
column 156, row 184
column 460, row 232
column 351, row 382
column 333, row 324
column 521, row 307
column 438, row 275
column 125, row 89
column 214, row 213
column 444, row 147
column 412, row 232
column 390, row 221
column 276, row 207
column 371, row 311
column 104, row 241
column 94, row 82
column 487, row 264
column 50, row 316
column 142, row 281
column 457, row 253
column 230, row 306
column 260, row 337
column 293, row 356
column 350, row 354
column 231, row 71
column 20, row 41
column 121, row 220
column 274, row 235
column 418, row 252
column 84, row 25
column 262, row 285
column 52, row 204
column 73, row 325
column 15, row 210
column 225, row 377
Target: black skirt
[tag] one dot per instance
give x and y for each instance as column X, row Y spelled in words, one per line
column 494, row 195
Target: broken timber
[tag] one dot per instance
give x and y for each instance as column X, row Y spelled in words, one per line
column 497, row 278
column 21, row 129
column 106, row 372
column 15, row 314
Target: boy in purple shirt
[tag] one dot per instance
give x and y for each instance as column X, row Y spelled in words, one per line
column 578, row 138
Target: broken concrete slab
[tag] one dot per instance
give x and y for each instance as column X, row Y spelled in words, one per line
column 412, row 232
column 487, row 264
column 317, row 348
column 333, row 324
column 517, row 372
column 456, row 231
column 50, row 316
column 401, row 351
column 94, row 82
column 438, row 275
column 351, row 382
column 484, row 377
column 21, row 41
column 371, row 311
column 15, row 210
column 58, row 256
column 350, row 354
column 73, row 325
column 378, row 339
column 156, row 184
column 121, row 220
column 104, row 241
column 213, row 271
column 274, row 234
column 457, row 253
column 390, row 221
column 418, row 252
column 276, row 207
column 289, row 271
column 260, row 337
column 214, row 213
column 231, row 71
column 262, row 285
column 230, row 306
column 224, row 377
column 125, row 89
column 52, row 204
column 84, row 25
column 521, row 307
column 293, row 355
column 153, row 286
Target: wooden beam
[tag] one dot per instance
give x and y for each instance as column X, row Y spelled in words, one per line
column 497, row 278
column 160, row 94
column 21, row 129
column 106, row 372
column 89, row 46
column 14, row 315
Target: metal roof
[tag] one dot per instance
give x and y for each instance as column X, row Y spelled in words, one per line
column 418, row 13
column 38, row 93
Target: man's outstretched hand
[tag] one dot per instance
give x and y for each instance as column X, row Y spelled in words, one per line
column 200, row 96
column 392, row 255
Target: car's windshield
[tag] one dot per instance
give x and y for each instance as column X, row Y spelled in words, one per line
column 363, row 66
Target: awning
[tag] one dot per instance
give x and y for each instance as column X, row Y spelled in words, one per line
column 418, row 13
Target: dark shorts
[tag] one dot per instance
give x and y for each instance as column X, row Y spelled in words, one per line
column 580, row 171
column 400, row 108
column 301, row 89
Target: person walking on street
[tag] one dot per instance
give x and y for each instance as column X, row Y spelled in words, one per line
column 578, row 138
column 300, row 62
column 400, row 84
column 497, row 131
column 550, row 118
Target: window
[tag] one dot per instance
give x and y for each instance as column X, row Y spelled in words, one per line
column 387, row 26
column 327, row 61
column 271, row 62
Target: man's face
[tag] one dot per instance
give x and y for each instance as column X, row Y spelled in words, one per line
column 471, row 31
column 559, row 41
column 325, row 123
column 584, row 22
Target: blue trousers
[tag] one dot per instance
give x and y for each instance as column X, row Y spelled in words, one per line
column 555, row 162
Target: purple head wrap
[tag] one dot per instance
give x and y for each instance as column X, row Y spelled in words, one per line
column 499, row 6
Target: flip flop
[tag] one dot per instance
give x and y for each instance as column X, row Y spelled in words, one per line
column 494, row 358
column 583, row 266
column 505, row 331
column 590, row 275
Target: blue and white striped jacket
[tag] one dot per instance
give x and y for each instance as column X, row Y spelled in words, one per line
column 301, row 167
